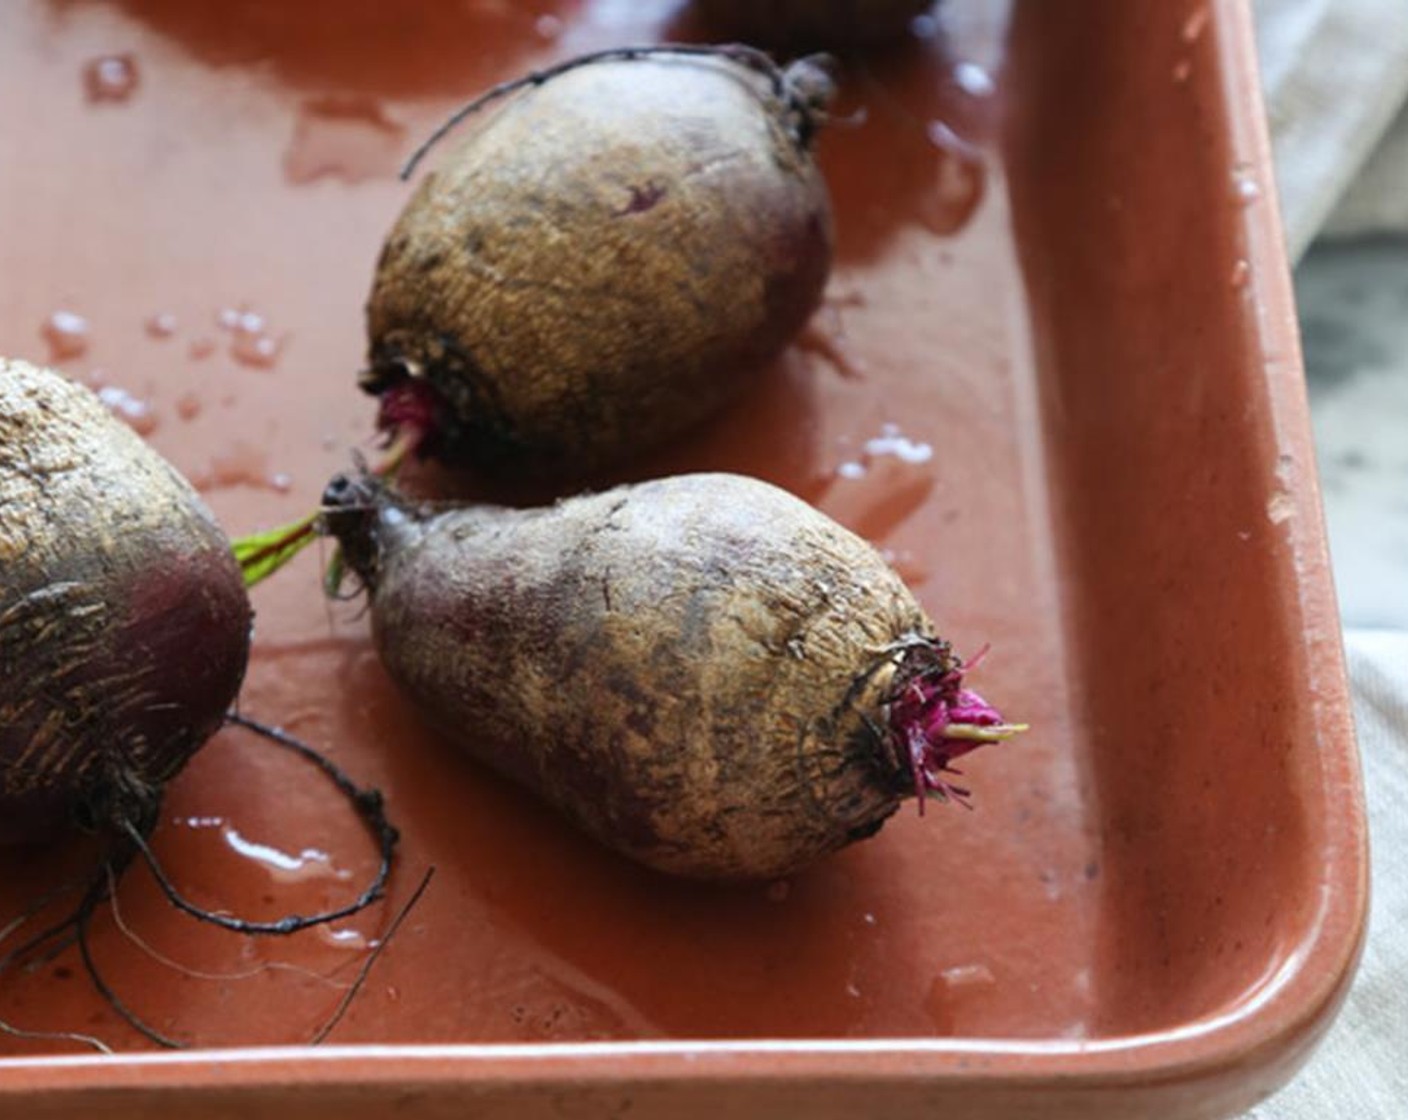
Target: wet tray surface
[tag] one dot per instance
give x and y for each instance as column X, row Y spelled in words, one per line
column 1055, row 377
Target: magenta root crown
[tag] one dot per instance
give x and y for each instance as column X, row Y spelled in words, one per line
column 410, row 406
column 934, row 720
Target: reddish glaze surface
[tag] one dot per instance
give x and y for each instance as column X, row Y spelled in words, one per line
column 1056, row 376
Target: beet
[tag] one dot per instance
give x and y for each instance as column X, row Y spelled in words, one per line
column 703, row 672
column 603, row 261
column 124, row 624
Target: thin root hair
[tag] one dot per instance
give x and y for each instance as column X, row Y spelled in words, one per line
column 55, row 938
column 105, row 989
column 161, row 958
column 55, row 1036
column 367, row 965
column 74, row 926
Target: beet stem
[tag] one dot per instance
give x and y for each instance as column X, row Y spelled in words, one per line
column 261, row 554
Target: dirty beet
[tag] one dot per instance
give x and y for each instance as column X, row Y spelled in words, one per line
column 703, row 672
column 124, row 625
column 602, row 261
column 124, row 638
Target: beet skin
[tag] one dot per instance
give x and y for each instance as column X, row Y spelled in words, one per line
column 124, row 624
column 601, row 262
column 703, row 672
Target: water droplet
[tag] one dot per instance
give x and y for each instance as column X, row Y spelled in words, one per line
column 967, row 976
column 250, row 345
column 1241, row 273
column 110, row 77
column 133, row 411
column 67, row 335
column 955, row 989
column 1280, row 508
column 548, row 27
column 1181, row 70
column 242, row 465
column 346, row 938
column 892, row 442
column 1194, row 25
column 260, row 351
column 1244, row 186
column 286, row 867
column 349, row 137
column 897, row 483
column 281, row 481
column 779, row 890
column 198, row 822
column 960, row 180
column 161, row 325
column 393, row 993
column 200, row 349
column 852, row 990
column 868, row 919
column 188, row 406
column 972, row 79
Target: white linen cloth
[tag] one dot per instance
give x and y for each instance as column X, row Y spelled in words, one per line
column 1335, row 74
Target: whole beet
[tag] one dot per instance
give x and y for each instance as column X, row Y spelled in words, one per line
column 703, row 672
column 603, row 261
column 124, row 625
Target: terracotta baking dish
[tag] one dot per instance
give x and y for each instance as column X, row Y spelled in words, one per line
column 1056, row 376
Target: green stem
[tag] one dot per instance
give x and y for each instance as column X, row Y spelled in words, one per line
column 262, row 554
